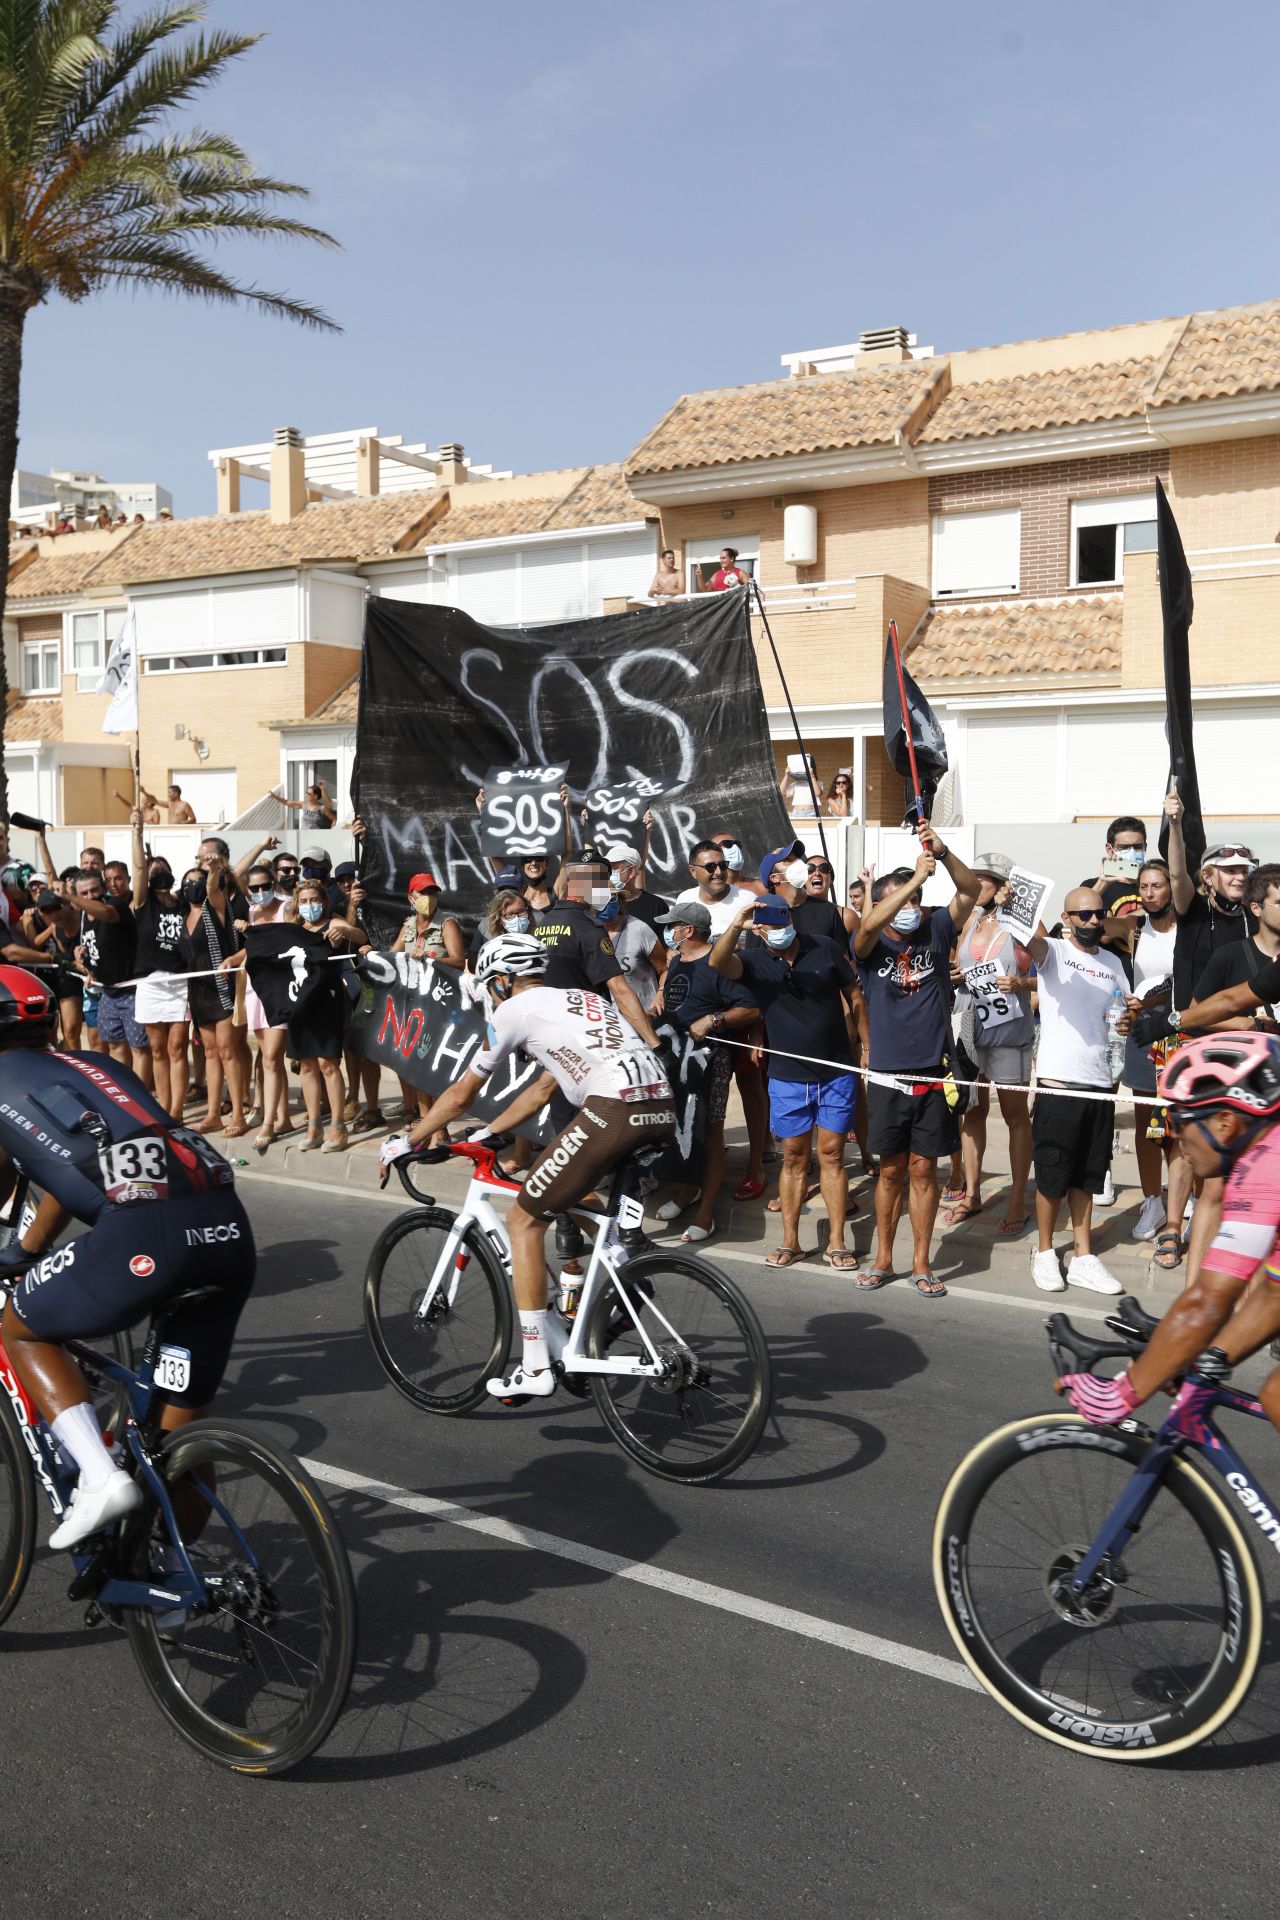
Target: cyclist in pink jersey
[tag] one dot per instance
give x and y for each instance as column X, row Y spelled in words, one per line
column 1223, row 1091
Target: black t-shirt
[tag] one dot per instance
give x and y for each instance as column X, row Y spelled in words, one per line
column 581, row 951
column 1202, row 930
column 647, row 906
column 1121, row 897
column 802, row 1005
column 820, row 919
column 1243, row 963
column 109, row 945
column 691, row 990
column 163, row 946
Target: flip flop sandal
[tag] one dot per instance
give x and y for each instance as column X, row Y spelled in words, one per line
column 841, row 1259
column 367, row 1122
column 952, row 1196
column 872, row 1277
column 954, row 1215
column 1168, row 1253
column 748, row 1189
column 784, row 1256
column 928, row 1286
column 1010, row 1229
column 693, row 1233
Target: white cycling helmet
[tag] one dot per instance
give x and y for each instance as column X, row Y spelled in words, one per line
column 517, row 954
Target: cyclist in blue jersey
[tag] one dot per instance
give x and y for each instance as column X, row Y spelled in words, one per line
column 163, row 1217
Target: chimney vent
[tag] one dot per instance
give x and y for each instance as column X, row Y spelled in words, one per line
column 875, row 339
column 288, row 475
column 288, row 437
column 452, row 471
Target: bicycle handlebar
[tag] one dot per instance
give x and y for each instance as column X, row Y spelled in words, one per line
column 1068, row 1344
column 435, row 1156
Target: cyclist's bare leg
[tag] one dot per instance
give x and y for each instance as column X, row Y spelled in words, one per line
column 46, row 1370
column 528, row 1258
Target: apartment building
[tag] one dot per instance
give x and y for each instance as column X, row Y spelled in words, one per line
column 999, row 504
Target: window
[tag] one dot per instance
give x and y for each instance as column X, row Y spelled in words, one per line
column 977, row 552
column 208, row 662
column 309, row 773
column 702, row 558
column 85, row 637
column 1103, row 531
column 41, row 666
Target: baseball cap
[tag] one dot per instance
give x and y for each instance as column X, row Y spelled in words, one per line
column 508, row 879
column 996, row 866
column 772, row 913
column 423, row 883
column 345, row 870
column 622, row 855
column 1233, row 855
column 317, row 854
column 791, row 851
column 691, row 913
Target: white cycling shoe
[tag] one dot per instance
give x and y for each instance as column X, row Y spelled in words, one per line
column 90, row 1512
column 508, row 1385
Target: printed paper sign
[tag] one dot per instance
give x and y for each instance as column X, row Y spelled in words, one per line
column 991, row 1007
column 616, row 812
column 1027, row 905
column 522, row 812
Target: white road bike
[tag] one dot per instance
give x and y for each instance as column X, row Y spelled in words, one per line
column 669, row 1349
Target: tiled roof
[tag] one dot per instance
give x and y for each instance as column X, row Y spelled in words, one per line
column 1028, row 639
column 38, row 719
column 1219, row 355
column 598, row 497
column 817, row 413
column 249, row 542
column 1029, row 401
column 341, row 709
column 50, row 575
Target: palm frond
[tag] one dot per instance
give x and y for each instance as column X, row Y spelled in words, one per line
column 125, row 54
column 163, row 263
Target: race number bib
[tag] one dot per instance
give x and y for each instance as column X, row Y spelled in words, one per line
column 173, row 1369
column 134, row 1170
column 991, row 1008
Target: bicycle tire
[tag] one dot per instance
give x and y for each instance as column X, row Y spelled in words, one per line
column 227, row 1647
column 399, row 1336
column 1096, row 1463
column 682, row 1428
column 17, row 1510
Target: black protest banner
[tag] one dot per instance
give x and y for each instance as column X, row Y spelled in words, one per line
column 615, row 813
column 690, row 1083
column 664, row 693
column 288, row 964
column 913, row 740
column 1176, row 607
column 522, row 811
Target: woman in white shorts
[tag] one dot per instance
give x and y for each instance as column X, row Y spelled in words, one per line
column 163, row 951
column 997, row 1029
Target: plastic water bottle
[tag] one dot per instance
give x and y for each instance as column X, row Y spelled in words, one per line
column 1117, row 1008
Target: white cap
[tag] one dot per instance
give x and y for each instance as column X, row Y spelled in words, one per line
column 622, row 855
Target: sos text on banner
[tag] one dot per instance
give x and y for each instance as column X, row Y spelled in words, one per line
column 522, row 811
column 668, row 694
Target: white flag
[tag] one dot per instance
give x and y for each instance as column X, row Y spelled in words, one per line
column 121, row 680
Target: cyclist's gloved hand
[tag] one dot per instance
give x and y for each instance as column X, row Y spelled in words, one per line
column 478, row 1139
column 1102, row 1402
column 1150, row 1025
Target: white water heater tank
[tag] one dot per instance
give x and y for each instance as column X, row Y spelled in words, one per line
column 800, row 536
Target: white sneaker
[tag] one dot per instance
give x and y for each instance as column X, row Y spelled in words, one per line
column 1150, row 1218
column 90, row 1512
column 1086, row 1270
column 1046, row 1272
column 518, row 1381
column 1107, row 1196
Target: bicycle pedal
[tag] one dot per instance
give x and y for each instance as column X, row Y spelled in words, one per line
column 90, row 1576
column 93, row 1615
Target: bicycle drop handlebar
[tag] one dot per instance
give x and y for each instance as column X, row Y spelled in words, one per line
column 1068, row 1345
column 436, row 1156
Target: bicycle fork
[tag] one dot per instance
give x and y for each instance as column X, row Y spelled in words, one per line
column 1128, row 1513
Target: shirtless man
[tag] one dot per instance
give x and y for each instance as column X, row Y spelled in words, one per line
column 667, row 583
column 146, row 801
column 180, row 811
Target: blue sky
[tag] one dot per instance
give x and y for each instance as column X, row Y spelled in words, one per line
column 556, row 219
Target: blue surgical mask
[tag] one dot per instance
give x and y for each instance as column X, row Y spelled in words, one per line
column 606, row 915
column 669, row 935
column 779, row 937
column 261, row 896
column 517, row 923
column 906, row 919
column 1130, row 858
column 311, row 911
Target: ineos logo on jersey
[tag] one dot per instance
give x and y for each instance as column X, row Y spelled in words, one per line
column 42, row 1270
column 142, row 1265
column 210, row 1236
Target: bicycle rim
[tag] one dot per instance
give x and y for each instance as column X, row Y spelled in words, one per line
column 439, row 1359
column 1163, row 1645
column 17, row 1511
column 706, row 1413
column 257, row 1681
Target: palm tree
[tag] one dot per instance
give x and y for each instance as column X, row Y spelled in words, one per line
column 94, row 191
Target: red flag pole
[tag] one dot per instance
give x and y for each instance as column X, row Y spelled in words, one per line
column 906, row 719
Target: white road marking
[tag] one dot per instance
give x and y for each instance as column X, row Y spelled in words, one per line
column 870, row 1646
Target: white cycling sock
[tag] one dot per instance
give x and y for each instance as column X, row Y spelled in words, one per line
column 533, row 1327
column 77, row 1432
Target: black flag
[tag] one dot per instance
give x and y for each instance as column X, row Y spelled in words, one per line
column 927, row 737
column 288, row 964
column 1176, row 607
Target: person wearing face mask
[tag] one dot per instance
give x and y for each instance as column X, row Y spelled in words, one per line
column 1152, row 975
column 316, row 1031
column 1071, row 1139
column 997, row 1026
column 108, row 939
column 903, row 955
column 702, row 1003
column 736, row 860
column 423, row 936
column 211, row 928
column 163, row 952
column 265, row 906
column 806, row 991
column 638, row 946
column 580, row 950
column 626, row 877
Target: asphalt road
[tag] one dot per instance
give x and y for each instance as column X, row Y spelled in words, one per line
column 531, row 1733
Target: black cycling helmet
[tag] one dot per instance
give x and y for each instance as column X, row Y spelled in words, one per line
column 26, row 1009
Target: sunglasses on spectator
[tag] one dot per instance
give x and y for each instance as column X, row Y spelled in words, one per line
column 1086, row 913
column 1234, row 853
column 820, row 866
column 714, row 866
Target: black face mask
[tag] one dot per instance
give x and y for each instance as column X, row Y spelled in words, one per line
column 162, row 881
column 194, row 891
column 1088, row 936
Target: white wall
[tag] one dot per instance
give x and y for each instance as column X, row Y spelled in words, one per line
column 334, row 613
column 529, row 585
column 227, row 616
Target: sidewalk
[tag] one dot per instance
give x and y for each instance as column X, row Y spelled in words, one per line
column 969, row 1256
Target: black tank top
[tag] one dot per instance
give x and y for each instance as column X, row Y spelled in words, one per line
column 109, row 945
column 163, row 944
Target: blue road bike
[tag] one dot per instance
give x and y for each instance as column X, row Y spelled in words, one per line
column 1101, row 1582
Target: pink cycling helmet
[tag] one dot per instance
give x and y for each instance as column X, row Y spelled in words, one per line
column 1238, row 1071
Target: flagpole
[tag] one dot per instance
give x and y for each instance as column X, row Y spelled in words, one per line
column 906, row 721
column 795, row 724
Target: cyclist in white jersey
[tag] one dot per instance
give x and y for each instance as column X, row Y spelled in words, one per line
column 601, row 1064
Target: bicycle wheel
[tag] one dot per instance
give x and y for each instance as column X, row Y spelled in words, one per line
column 704, row 1414
column 17, row 1510
column 257, row 1679
column 442, row 1358
column 1162, row 1646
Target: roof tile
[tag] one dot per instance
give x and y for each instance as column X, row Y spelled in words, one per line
column 1233, row 351
column 63, row 570
column 1019, row 638
column 1026, row 402
column 38, row 719
column 598, row 497
column 250, row 542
